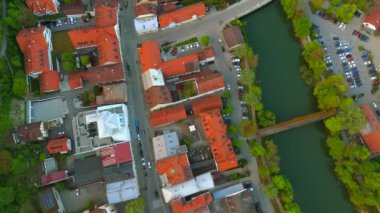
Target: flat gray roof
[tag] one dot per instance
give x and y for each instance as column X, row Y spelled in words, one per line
column 48, row 109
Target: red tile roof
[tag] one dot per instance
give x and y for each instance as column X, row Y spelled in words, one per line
column 73, row 9
column 42, row 7
column 60, row 145
column 169, row 8
column 206, row 53
column 105, row 16
column 167, row 115
column 205, row 104
column 49, row 81
column 150, row 55
column 180, row 66
column 158, row 95
column 116, row 155
column 175, row 168
column 371, row 132
column 373, row 19
column 75, row 79
column 104, row 38
column 53, row 177
column 105, row 74
column 34, row 46
column 182, row 15
column 207, row 81
column 145, row 10
column 179, row 206
column 30, row 132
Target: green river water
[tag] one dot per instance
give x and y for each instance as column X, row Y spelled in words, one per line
column 303, row 152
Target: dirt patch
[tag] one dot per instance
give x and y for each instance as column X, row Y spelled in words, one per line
column 17, row 113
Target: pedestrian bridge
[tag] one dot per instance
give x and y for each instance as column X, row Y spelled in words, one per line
column 295, row 122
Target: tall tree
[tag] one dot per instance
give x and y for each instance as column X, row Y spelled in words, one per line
column 302, row 26
column 314, row 57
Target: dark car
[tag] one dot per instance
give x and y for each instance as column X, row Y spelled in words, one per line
column 377, row 112
column 156, row 194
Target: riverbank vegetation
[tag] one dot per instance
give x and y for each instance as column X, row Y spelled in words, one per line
column 276, row 187
column 352, row 165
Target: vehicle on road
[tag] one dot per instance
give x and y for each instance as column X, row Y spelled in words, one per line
column 77, row 192
column 143, row 161
column 228, row 87
column 149, row 166
column 356, row 97
column 248, row 185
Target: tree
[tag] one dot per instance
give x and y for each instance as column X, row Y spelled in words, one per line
column 186, row 141
column 316, row 4
column 302, row 26
column 354, row 119
column 232, row 129
column 307, row 75
column 270, row 191
column 328, row 91
column 85, row 59
column 290, row 7
column 314, row 57
column 68, row 62
column 205, row 40
column 244, row 51
column 226, row 94
column 27, row 17
column 19, row 165
column 188, row 90
column 228, row 109
column 334, row 124
column 135, row 206
column 248, row 78
column 237, row 142
column 248, row 128
column 271, row 148
column 336, row 147
column 264, row 172
column 5, row 161
column 19, row 84
column 346, row 103
column 266, row 118
column 292, row 207
column 355, row 151
column 345, row 12
column 257, row 149
column 7, row 196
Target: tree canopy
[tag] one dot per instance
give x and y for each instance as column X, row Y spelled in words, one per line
column 302, row 26
column 345, row 12
column 314, row 56
column 135, row 206
column 19, row 84
column 205, row 40
column 329, row 91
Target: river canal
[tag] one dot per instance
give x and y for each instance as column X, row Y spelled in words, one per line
column 303, row 151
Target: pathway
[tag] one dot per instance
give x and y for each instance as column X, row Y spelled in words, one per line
column 5, row 29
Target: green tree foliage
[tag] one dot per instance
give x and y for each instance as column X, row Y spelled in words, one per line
column 307, row 75
column 316, row 4
column 334, row 124
column 271, row 148
column 186, row 141
column 354, row 119
column 188, row 90
column 290, row 7
column 226, row 94
column 228, row 109
column 328, row 91
column 237, row 142
column 270, row 191
column 205, row 40
column 336, row 147
column 68, row 62
column 264, row 172
column 248, row 128
column 244, row 51
column 7, row 196
column 257, row 149
column 292, row 208
column 266, row 118
column 248, row 78
column 232, row 129
column 314, row 56
column 19, row 165
column 85, row 59
column 301, row 26
column 345, row 12
column 5, row 161
column 135, row 206
column 19, row 84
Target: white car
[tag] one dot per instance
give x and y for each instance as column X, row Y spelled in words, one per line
column 149, row 166
column 228, row 87
column 374, row 104
column 235, row 59
column 143, row 161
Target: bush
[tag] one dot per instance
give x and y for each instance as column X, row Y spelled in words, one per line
column 85, row 59
column 19, row 84
column 68, row 62
column 242, row 163
column 205, row 40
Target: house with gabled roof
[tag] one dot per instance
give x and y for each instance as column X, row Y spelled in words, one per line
column 182, row 15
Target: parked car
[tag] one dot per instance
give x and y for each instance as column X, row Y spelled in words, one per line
column 149, row 166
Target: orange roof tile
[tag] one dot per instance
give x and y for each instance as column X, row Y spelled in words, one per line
column 206, row 53
column 371, row 132
column 145, row 10
column 182, row 15
column 34, row 46
column 233, row 36
column 205, row 104
column 180, row 66
column 206, row 80
column 179, row 206
column 58, row 146
column 158, row 95
column 215, row 131
column 75, row 79
column 167, row 115
column 150, row 55
column 49, row 81
column 175, row 168
column 104, row 38
column 169, row 8
column 105, row 16
column 42, row 7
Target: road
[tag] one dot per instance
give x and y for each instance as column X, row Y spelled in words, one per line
column 5, row 29
column 129, row 41
column 137, row 109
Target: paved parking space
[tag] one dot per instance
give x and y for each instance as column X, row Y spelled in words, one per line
column 47, row 109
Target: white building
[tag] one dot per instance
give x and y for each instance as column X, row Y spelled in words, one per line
column 152, row 78
column 146, row 18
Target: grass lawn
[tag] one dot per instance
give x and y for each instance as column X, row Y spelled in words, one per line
column 187, row 89
column 61, row 43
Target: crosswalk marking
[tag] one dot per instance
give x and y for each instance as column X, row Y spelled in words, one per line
column 157, row 203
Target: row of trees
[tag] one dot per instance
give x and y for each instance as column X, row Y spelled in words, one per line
column 275, row 185
column 352, row 166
